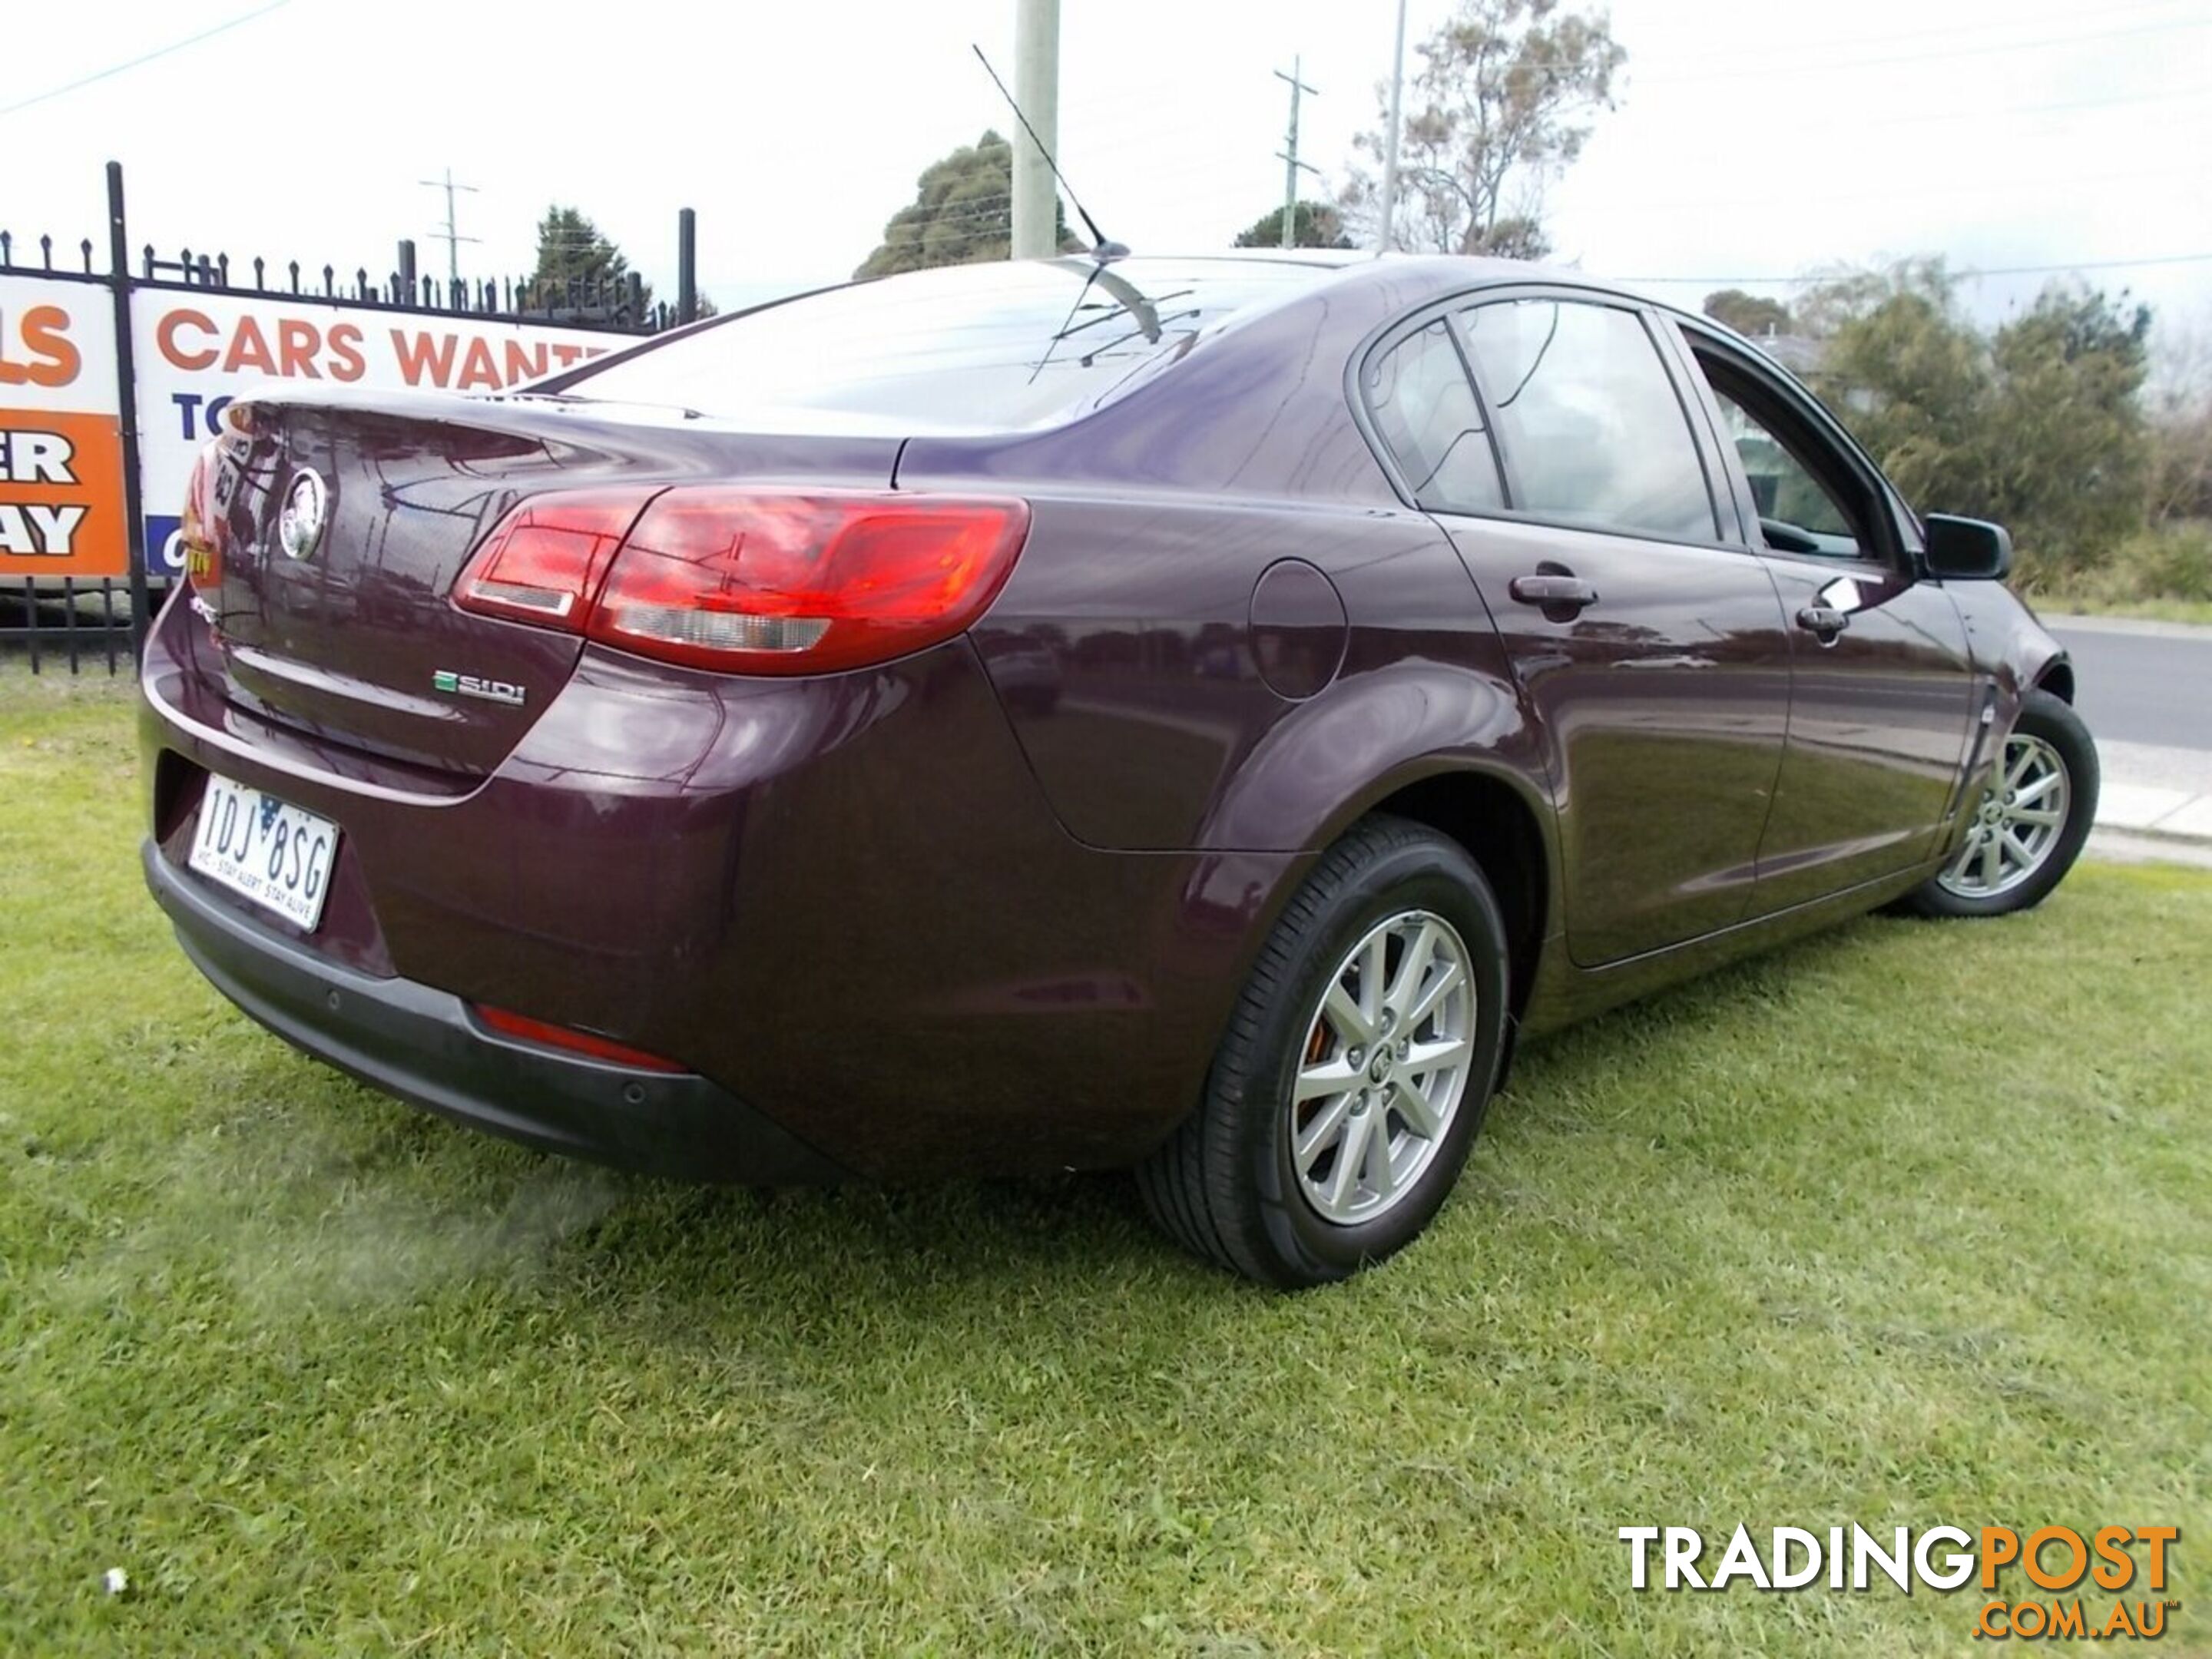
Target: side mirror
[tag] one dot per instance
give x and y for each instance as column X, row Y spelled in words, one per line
column 1967, row 550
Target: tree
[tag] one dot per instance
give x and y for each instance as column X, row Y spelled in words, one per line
column 572, row 250
column 1910, row 375
column 962, row 214
column 1315, row 224
column 2039, row 426
column 2180, row 400
column 2070, row 451
column 1747, row 314
column 1497, row 111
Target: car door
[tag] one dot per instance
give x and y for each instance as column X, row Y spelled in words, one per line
column 1649, row 648
column 1882, row 687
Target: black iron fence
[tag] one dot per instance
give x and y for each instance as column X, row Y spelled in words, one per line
column 50, row 622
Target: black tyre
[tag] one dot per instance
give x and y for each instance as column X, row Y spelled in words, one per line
column 2029, row 826
column 1355, row 1070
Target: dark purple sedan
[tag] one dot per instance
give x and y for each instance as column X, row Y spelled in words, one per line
column 1186, row 713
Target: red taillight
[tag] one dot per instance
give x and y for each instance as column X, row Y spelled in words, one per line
column 201, row 530
column 510, row 1023
column 545, row 561
column 756, row 580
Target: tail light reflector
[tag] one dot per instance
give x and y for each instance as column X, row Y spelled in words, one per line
column 508, row 1023
column 201, row 529
column 747, row 580
column 545, row 561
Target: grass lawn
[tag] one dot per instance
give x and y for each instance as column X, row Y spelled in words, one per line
column 1909, row 1225
column 2198, row 611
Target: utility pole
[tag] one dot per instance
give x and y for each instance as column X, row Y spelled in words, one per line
column 451, row 235
column 1289, row 155
column 1390, row 138
column 1036, row 91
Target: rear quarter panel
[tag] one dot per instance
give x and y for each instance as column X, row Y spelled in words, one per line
column 1172, row 721
column 1172, row 717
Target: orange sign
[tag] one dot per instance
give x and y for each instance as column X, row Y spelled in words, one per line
column 61, row 495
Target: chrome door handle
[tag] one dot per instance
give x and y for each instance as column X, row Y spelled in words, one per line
column 1824, row 621
column 1552, row 589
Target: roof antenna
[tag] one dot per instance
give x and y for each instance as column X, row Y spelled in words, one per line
column 1100, row 249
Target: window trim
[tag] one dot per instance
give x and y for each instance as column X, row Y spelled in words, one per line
column 1894, row 554
column 1686, row 394
column 1394, row 336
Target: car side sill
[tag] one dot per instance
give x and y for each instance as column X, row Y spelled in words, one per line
column 1565, row 993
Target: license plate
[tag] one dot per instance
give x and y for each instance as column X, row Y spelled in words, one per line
column 263, row 849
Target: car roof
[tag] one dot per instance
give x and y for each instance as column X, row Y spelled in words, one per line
column 1430, row 277
column 1406, row 276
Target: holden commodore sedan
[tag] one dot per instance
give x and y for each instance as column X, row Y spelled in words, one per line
column 1188, row 714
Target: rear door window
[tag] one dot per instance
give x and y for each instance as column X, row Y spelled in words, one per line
column 1425, row 411
column 1592, row 429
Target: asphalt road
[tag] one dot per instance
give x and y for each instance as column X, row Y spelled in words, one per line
column 2141, row 682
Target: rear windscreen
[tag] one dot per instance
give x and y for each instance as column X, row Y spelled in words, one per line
column 971, row 347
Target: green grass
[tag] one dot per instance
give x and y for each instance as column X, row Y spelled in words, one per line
column 2198, row 611
column 1912, row 1224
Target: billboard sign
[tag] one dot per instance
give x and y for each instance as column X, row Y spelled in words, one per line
column 193, row 353
column 61, row 444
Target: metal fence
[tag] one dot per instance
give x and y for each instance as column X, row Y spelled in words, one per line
column 48, row 623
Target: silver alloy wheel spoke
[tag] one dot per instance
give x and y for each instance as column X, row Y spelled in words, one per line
column 1323, row 1081
column 2017, row 825
column 1438, row 989
column 1383, row 1067
column 1344, row 1011
column 1412, row 970
column 1350, row 1158
column 1372, row 970
column 1413, row 1106
column 1325, row 1128
column 1424, row 1057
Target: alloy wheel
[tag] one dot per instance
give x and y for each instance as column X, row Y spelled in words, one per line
column 1383, row 1069
column 2017, row 826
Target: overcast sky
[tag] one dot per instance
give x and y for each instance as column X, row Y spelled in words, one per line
column 1755, row 138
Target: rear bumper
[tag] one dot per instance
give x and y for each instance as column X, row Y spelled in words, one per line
column 422, row 1045
column 841, row 899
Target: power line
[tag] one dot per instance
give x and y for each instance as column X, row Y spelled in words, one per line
column 1981, row 29
column 1157, row 132
column 985, row 206
column 1751, row 69
column 1727, row 60
column 160, row 52
column 1987, row 189
column 2134, row 100
column 1976, row 50
column 1983, row 270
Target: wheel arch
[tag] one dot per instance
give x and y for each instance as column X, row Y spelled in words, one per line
column 1494, row 822
column 1499, row 817
column 1495, row 814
